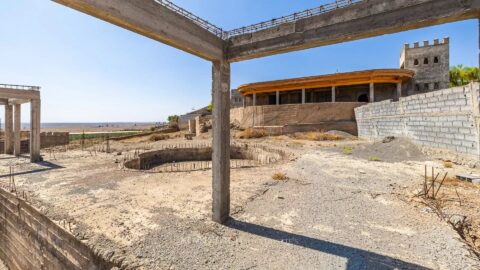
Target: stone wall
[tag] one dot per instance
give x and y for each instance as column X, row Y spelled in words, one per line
column 29, row 240
column 325, row 116
column 445, row 119
column 50, row 139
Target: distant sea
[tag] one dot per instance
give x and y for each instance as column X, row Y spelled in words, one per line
column 89, row 125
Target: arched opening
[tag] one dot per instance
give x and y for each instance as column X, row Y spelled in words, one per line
column 435, row 60
column 415, row 62
column 425, row 61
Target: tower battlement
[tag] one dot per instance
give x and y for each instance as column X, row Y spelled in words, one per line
column 426, row 43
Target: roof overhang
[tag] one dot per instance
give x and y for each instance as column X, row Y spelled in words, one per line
column 337, row 79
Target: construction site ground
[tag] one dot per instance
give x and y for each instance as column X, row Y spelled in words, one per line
column 346, row 204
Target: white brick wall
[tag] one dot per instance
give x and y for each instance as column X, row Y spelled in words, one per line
column 443, row 119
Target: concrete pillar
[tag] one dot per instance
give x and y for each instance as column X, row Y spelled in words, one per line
column 17, row 127
column 35, row 131
column 197, row 126
column 9, row 129
column 221, row 141
column 244, row 102
column 191, row 126
column 254, row 99
column 277, row 97
column 303, row 96
column 372, row 92
column 399, row 90
column 333, row 94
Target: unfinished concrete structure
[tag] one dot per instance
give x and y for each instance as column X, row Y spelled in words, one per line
column 431, row 64
column 341, row 21
column 12, row 97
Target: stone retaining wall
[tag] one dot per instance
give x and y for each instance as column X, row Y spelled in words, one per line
column 298, row 117
column 29, row 240
column 445, row 119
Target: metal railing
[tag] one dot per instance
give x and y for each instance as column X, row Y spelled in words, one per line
column 219, row 32
column 292, row 17
column 19, row 87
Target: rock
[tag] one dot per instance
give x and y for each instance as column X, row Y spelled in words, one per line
column 476, row 181
column 457, row 221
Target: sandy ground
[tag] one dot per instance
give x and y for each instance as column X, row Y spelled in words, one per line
column 336, row 211
column 2, row 266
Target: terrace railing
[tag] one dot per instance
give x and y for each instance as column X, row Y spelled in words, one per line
column 19, row 87
column 291, row 18
column 219, row 32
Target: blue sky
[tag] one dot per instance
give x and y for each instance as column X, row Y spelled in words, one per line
column 92, row 71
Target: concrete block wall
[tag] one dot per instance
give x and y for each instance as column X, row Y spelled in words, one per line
column 445, row 119
column 30, row 240
column 50, row 139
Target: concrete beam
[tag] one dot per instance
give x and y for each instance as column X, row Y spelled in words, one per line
column 221, row 142
column 18, row 95
column 363, row 20
column 150, row 19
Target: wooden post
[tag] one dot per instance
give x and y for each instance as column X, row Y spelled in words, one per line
column 277, row 97
column 303, row 96
column 221, row 141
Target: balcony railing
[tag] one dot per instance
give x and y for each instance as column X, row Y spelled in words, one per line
column 19, row 87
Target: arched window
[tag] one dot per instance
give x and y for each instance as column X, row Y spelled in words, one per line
column 436, row 86
column 415, row 62
column 417, row 87
column 425, row 61
column 435, row 60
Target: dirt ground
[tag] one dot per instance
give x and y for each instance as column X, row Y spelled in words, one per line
column 338, row 209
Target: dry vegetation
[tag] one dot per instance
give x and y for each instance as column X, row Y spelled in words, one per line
column 159, row 137
column 252, row 133
column 316, row 136
column 280, row 176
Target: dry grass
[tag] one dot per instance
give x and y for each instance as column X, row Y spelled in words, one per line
column 159, row 137
column 374, row 158
column 251, row 133
column 316, row 136
column 347, row 150
column 280, row 176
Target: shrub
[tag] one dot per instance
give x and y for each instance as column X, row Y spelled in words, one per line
column 347, row 150
column 373, row 158
column 447, row 164
column 159, row 137
column 279, row 176
column 250, row 133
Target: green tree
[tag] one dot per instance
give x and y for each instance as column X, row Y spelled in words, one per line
column 173, row 119
column 462, row 75
column 210, row 107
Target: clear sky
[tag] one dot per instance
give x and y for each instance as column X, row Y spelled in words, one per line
column 92, row 71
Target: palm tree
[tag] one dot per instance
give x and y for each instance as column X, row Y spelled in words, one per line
column 462, row 75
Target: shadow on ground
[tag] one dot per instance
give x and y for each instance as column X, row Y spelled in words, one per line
column 46, row 166
column 357, row 258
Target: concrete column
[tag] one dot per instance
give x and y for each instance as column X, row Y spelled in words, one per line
column 191, row 126
column 372, row 93
column 254, row 99
column 278, row 97
column 399, row 90
column 17, row 129
column 221, row 141
column 8, row 129
column 303, row 96
column 35, row 131
column 197, row 126
column 244, row 102
column 333, row 94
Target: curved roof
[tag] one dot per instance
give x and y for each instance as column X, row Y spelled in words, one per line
column 337, row 79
